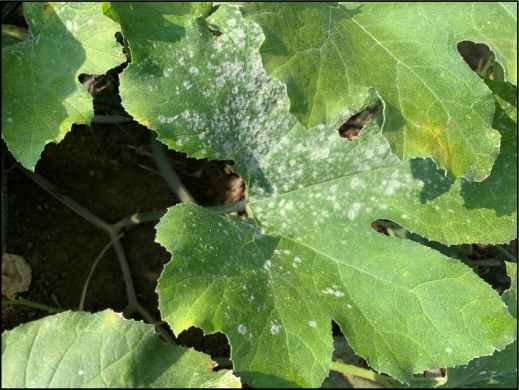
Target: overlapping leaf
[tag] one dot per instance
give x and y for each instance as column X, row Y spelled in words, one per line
column 307, row 254
column 77, row 349
column 331, row 55
column 41, row 94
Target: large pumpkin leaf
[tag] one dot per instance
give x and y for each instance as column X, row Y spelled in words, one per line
column 41, row 94
column 307, row 254
column 78, row 349
column 331, row 55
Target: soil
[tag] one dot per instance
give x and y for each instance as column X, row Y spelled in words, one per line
column 111, row 172
column 109, row 169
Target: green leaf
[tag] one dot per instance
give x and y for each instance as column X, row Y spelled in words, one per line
column 186, row 68
column 307, row 253
column 4, row 202
column 510, row 296
column 41, row 94
column 78, row 349
column 192, row 8
column 332, row 56
column 498, row 370
column 274, row 299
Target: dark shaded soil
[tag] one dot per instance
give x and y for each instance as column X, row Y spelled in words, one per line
column 110, row 171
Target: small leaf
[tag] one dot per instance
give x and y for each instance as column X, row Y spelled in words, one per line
column 330, row 56
column 78, row 349
column 41, row 94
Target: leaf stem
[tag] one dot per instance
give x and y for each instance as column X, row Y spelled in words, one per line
column 22, row 301
column 112, row 231
column 159, row 154
column 135, row 219
column 151, row 216
column 388, row 382
column 70, row 203
column 362, row 372
column 95, row 220
column 16, row 32
column 92, row 269
column 506, row 253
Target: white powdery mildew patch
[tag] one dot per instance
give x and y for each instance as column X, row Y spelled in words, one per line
column 296, row 262
column 312, row 324
column 242, row 329
column 72, row 26
column 229, row 107
column 391, row 186
column 330, row 291
column 354, row 210
column 190, row 52
column 396, row 182
column 163, row 119
column 260, row 234
column 274, row 329
column 357, row 183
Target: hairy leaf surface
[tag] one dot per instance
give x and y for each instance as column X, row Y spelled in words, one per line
column 78, row 349
column 41, row 94
column 307, row 253
column 331, row 55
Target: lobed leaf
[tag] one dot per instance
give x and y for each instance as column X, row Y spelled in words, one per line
column 41, row 94
column 307, row 254
column 331, row 55
column 78, row 349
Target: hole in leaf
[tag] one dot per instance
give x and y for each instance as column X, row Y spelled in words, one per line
column 105, row 90
column 480, row 59
column 216, row 344
column 354, row 124
column 119, row 38
column 214, row 30
column 88, row 81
